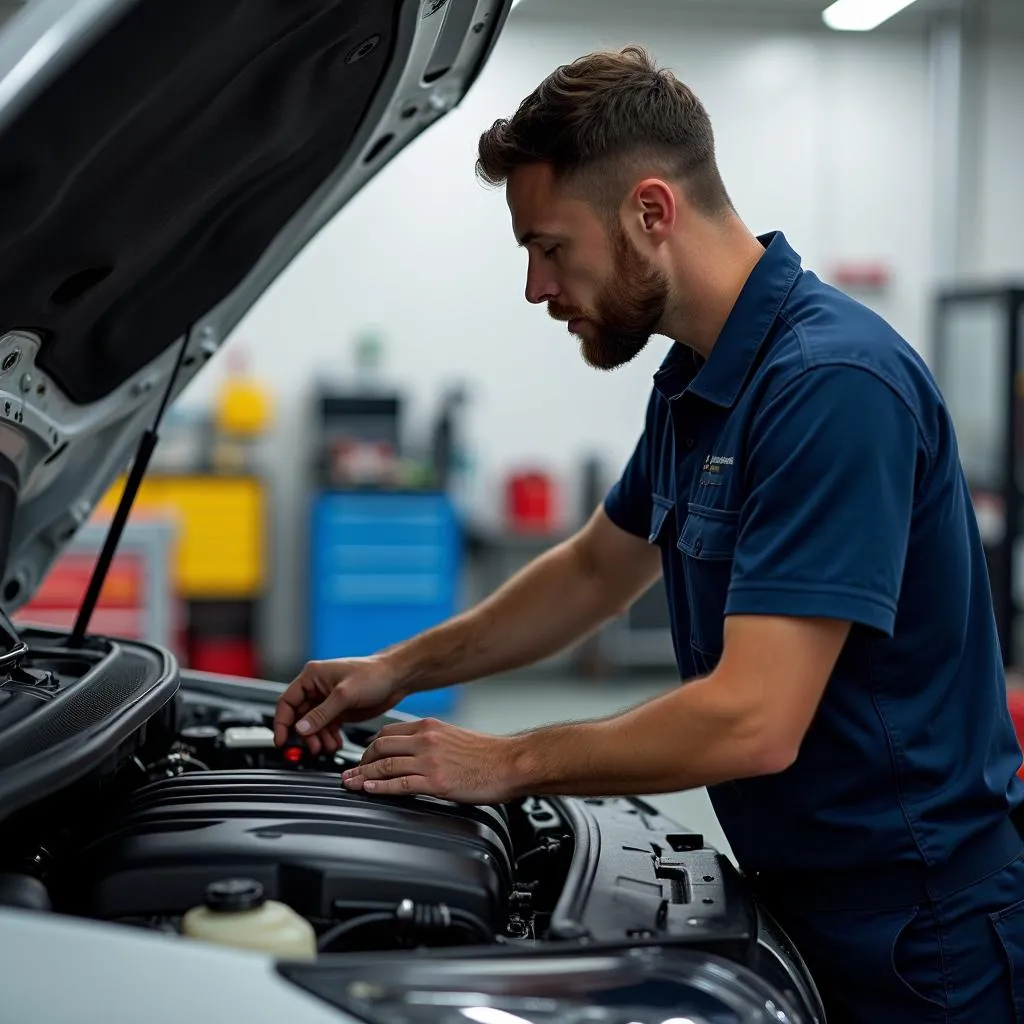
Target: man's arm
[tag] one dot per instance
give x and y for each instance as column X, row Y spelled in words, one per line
column 834, row 464
column 558, row 599
column 745, row 719
column 553, row 602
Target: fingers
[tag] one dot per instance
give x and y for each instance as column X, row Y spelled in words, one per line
column 385, row 768
column 294, row 702
column 393, row 764
column 325, row 742
column 400, row 729
column 404, row 785
column 304, row 701
column 413, row 728
column 320, row 717
column 384, row 746
column 284, row 716
column 408, row 728
column 289, row 732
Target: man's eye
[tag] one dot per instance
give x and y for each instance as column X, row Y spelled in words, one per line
column 550, row 251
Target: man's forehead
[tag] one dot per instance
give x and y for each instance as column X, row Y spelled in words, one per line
column 537, row 204
column 530, row 196
column 533, row 181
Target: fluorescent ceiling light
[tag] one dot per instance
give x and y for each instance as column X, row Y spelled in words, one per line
column 861, row 15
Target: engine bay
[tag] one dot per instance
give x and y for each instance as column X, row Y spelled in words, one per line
column 307, row 842
column 207, row 800
column 156, row 800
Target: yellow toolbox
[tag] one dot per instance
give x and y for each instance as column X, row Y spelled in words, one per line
column 220, row 544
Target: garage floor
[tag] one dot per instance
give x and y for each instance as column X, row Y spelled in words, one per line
column 509, row 705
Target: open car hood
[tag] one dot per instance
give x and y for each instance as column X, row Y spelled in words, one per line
column 160, row 164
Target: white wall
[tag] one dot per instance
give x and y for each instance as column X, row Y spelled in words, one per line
column 821, row 135
column 999, row 229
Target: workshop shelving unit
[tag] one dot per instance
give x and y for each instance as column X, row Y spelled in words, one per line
column 383, row 567
column 220, row 567
column 138, row 601
column 979, row 365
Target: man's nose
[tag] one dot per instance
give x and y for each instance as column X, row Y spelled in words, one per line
column 540, row 287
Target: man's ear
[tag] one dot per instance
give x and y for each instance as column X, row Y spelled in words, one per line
column 655, row 203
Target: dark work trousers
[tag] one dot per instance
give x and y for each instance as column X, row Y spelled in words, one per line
column 957, row 958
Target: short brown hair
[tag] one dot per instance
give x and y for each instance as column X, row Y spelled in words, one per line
column 599, row 119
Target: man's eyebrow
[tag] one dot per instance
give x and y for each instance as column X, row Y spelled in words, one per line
column 534, row 236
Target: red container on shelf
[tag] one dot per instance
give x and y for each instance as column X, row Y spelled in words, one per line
column 224, row 655
column 530, row 503
column 1015, row 696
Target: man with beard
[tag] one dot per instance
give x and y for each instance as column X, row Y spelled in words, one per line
column 798, row 487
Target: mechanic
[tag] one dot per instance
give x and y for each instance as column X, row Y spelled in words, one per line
column 798, row 487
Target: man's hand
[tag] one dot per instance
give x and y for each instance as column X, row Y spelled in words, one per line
column 745, row 719
column 431, row 758
column 327, row 693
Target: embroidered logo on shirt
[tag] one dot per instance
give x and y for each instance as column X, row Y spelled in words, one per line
column 714, row 468
column 715, row 463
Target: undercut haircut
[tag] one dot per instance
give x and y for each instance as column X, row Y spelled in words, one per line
column 601, row 121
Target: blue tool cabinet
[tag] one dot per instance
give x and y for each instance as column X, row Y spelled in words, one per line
column 384, row 566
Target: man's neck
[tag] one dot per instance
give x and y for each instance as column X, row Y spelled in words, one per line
column 714, row 265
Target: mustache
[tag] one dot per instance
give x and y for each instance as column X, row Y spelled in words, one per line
column 564, row 313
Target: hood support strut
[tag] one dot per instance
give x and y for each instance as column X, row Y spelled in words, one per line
column 124, row 507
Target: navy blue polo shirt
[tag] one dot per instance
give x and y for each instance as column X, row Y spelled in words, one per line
column 809, row 468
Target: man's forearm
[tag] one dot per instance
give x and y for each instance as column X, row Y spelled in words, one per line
column 698, row 735
column 549, row 605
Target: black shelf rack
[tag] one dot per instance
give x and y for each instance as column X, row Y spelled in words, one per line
column 979, row 365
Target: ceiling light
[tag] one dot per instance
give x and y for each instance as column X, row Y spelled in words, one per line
column 861, row 15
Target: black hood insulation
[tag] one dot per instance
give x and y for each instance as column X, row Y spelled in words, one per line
column 143, row 185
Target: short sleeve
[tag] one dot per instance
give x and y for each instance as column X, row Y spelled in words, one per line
column 832, row 470
column 628, row 504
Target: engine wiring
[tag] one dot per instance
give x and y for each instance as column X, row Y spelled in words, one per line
column 412, row 924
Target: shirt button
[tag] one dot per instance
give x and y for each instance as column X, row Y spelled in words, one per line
column 690, row 442
column 697, row 546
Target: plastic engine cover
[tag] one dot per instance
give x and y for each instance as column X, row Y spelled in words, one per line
column 308, row 841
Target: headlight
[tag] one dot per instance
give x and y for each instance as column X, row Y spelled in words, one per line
column 641, row 986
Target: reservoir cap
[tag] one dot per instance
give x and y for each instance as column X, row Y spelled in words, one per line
column 230, row 895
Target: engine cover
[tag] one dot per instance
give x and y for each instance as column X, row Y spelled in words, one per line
column 306, row 839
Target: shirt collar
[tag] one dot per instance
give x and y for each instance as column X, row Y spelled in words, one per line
column 720, row 379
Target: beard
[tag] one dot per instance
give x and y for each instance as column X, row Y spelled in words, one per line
column 628, row 309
